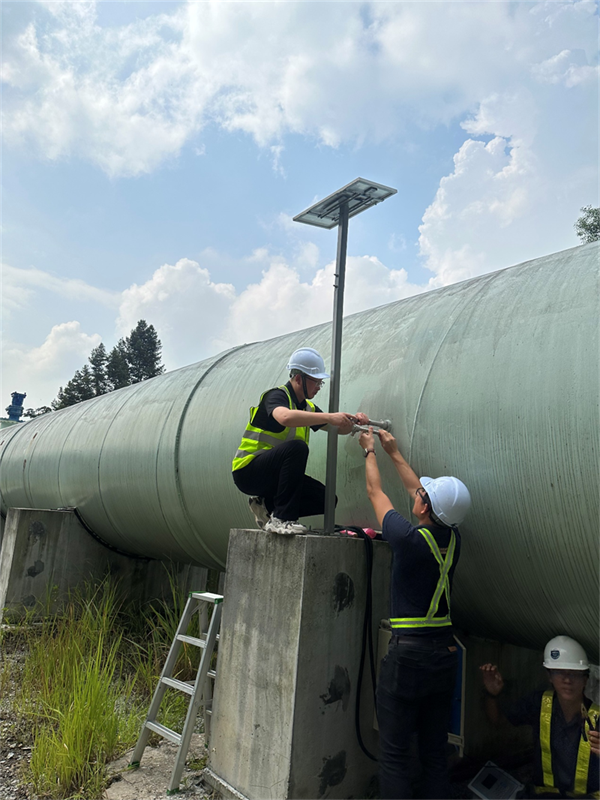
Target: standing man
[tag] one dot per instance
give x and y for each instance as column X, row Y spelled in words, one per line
column 270, row 462
column 417, row 676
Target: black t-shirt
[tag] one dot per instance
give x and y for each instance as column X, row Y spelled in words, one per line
column 275, row 398
column 564, row 741
column 415, row 571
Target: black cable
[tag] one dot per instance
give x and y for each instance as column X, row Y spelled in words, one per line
column 367, row 635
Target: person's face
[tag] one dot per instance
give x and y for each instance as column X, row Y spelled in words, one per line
column 312, row 386
column 568, row 683
column 421, row 502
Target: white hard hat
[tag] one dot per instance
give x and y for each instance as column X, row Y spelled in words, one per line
column 309, row 362
column 562, row 652
column 450, row 498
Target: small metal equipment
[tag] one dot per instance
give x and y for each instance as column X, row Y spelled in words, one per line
column 384, row 424
column 200, row 690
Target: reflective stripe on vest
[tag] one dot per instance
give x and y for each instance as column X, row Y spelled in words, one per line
column 583, row 753
column 443, row 585
column 255, row 440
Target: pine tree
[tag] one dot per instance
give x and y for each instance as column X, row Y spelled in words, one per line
column 117, row 367
column 131, row 360
column 80, row 387
column 143, row 352
column 98, row 359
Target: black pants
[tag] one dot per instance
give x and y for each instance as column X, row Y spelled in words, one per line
column 277, row 475
column 414, row 695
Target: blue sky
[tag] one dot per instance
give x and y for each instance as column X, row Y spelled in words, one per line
column 154, row 155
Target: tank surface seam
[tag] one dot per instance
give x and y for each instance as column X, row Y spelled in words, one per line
column 178, row 438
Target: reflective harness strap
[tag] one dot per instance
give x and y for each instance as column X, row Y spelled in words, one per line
column 583, row 755
column 443, row 585
column 545, row 721
column 255, row 440
column 583, row 752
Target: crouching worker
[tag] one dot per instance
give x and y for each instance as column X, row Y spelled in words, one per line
column 417, row 676
column 563, row 719
column 270, row 462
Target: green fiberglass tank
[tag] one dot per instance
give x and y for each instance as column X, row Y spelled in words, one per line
column 494, row 380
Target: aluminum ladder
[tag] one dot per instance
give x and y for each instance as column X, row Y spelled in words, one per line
column 200, row 690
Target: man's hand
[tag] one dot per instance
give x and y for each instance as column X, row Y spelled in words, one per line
column 388, row 442
column 492, row 679
column 361, row 419
column 594, row 739
column 367, row 440
column 341, row 420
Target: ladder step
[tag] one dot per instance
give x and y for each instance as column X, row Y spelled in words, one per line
column 191, row 640
column 209, row 597
column 166, row 733
column 211, row 674
column 182, row 686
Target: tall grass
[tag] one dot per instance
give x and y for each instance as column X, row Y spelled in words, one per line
column 86, row 684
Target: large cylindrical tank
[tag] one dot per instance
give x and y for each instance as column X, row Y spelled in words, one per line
column 494, row 380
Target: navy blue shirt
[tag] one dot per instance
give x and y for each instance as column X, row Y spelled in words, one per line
column 415, row 571
column 564, row 742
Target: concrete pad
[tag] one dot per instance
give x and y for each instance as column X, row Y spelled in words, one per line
column 150, row 780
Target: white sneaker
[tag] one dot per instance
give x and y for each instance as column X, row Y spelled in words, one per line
column 285, row 527
column 258, row 508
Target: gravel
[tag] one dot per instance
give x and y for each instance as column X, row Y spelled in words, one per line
column 15, row 738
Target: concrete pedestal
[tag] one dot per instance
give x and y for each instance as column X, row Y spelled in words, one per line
column 45, row 554
column 289, row 652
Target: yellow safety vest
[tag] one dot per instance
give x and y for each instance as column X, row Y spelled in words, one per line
column 583, row 754
column 255, row 440
column 443, row 585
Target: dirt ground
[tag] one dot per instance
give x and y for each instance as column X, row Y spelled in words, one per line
column 151, row 779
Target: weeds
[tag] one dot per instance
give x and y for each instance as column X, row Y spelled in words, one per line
column 86, row 683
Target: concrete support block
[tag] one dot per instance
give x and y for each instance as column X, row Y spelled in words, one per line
column 289, row 652
column 45, row 554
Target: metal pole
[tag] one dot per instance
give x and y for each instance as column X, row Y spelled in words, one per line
column 336, row 357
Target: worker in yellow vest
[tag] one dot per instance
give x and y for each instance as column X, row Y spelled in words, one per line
column 270, row 462
column 417, row 676
column 563, row 719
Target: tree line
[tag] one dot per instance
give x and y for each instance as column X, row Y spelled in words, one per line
column 133, row 359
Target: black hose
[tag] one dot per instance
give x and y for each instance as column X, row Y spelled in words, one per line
column 367, row 636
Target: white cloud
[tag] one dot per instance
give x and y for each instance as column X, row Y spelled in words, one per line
column 20, row 286
column 196, row 317
column 507, row 199
column 283, row 302
column 185, row 307
column 492, row 184
column 39, row 371
column 129, row 97
column 565, row 67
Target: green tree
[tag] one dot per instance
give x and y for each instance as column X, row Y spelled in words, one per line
column 80, row 387
column 131, row 360
column 117, row 367
column 587, row 226
column 143, row 352
column 98, row 359
column 36, row 412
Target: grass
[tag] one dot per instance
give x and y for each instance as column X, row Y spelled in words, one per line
column 86, row 682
